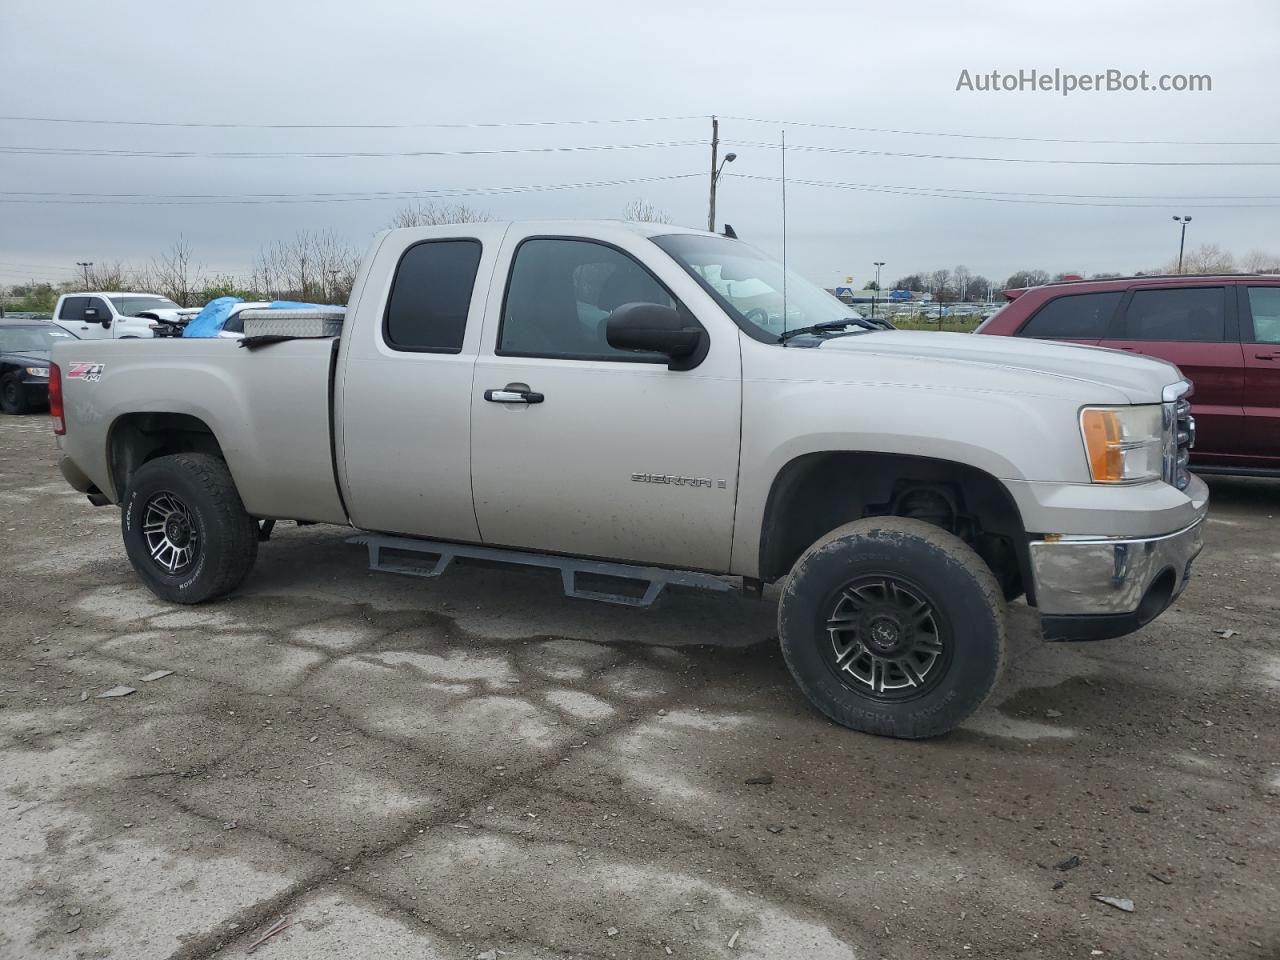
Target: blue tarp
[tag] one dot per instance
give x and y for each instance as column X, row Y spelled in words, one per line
column 210, row 321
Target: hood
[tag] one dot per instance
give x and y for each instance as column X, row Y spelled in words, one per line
column 171, row 314
column 1141, row 379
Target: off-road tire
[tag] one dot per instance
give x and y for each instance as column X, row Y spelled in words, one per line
column 965, row 599
column 226, row 537
column 13, row 395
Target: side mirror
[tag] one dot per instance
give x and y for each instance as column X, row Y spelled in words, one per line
column 654, row 328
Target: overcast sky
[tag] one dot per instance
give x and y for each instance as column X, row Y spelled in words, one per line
column 840, row 63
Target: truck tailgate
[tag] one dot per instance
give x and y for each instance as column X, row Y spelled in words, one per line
column 269, row 410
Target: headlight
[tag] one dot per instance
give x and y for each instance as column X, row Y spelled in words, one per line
column 1124, row 444
column 38, row 371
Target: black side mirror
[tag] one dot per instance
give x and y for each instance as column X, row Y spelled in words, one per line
column 654, row 328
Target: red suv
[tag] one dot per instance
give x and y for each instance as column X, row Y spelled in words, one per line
column 1222, row 331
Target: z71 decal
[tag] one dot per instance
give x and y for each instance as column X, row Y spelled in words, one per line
column 89, row 372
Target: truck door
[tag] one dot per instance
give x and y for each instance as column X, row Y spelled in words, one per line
column 1260, row 331
column 404, row 433
column 580, row 448
column 71, row 315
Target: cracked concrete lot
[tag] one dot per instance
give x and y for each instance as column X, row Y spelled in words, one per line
column 477, row 766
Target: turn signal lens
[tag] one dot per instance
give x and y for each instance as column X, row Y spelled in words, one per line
column 1123, row 444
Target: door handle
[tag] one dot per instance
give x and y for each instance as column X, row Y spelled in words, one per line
column 514, row 393
column 1265, row 356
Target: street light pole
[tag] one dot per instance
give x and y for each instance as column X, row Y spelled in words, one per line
column 875, row 294
column 716, row 171
column 1182, row 240
column 85, row 265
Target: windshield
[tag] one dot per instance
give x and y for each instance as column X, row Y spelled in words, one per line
column 132, row 306
column 26, row 339
column 749, row 285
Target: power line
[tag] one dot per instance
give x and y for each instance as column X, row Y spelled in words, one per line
column 1008, row 138
column 1171, row 198
column 332, row 154
column 812, row 148
column 84, row 199
column 393, row 194
column 943, row 194
column 501, row 124
column 353, row 126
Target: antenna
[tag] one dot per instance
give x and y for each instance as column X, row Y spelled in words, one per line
column 784, row 231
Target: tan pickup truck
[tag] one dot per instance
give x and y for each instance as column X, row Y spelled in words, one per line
column 638, row 399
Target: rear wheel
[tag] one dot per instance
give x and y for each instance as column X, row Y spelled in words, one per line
column 893, row 626
column 13, row 395
column 185, row 530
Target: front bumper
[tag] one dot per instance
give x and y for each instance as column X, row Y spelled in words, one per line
column 1092, row 588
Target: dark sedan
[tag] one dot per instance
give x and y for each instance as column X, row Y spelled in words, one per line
column 24, row 363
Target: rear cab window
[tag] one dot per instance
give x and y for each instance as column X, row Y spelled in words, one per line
column 431, row 296
column 1075, row 315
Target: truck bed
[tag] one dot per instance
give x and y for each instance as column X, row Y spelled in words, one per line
column 283, row 466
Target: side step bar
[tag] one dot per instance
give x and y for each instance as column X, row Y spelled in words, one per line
column 653, row 579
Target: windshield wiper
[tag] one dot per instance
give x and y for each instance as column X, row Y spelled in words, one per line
column 831, row 325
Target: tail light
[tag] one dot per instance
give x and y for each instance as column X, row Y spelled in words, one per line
column 55, row 399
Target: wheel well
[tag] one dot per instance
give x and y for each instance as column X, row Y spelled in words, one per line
column 139, row 437
column 818, row 492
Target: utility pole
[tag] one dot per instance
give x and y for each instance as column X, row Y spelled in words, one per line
column 85, row 265
column 1182, row 241
column 715, row 148
column 716, row 171
column 875, row 294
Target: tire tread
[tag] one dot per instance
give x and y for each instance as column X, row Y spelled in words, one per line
column 955, row 551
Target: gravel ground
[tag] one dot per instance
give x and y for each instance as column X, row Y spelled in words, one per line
column 477, row 766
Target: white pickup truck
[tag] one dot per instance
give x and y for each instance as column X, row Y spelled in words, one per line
column 637, row 399
column 115, row 315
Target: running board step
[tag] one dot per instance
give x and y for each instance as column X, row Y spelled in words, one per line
column 653, row 579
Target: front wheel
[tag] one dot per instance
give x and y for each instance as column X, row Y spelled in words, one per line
column 894, row 627
column 185, row 530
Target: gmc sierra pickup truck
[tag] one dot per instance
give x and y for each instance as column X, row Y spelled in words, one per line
column 596, row 394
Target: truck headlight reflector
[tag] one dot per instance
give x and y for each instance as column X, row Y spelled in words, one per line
column 1124, row 444
column 37, row 371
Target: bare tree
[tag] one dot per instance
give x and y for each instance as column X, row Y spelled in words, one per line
column 941, row 283
column 961, row 276
column 108, row 276
column 314, row 265
column 175, row 275
column 1206, row 258
column 431, row 213
column 643, row 211
column 1260, row 261
column 1026, row 278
